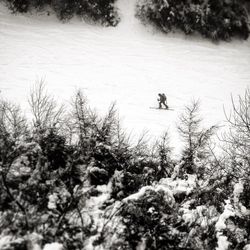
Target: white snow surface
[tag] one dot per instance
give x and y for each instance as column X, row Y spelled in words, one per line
column 228, row 211
column 168, row 195
column 238, row 190
column 53, row 246
column 222, row 240
column 129, row 64
column 223, row 243
column 247, row 247
column 180, row 186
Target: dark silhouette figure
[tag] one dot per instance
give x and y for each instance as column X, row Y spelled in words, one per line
column 162, row 100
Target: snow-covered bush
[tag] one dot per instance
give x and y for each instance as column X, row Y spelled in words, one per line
column 40, row 194
column 100, row 11
column 138, row 174
column 218, row 20
column 232, row 226
column 148, row 218
column 153, row 219
column 144, row 167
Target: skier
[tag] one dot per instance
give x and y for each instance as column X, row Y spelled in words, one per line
column 162, row 100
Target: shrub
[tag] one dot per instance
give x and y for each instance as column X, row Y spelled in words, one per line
column 100, row 11
column 218, row 20
column 147, row 220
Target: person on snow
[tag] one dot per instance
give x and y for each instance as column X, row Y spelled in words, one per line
column 162, row 100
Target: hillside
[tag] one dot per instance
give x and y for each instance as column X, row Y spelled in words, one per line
column 72, row 179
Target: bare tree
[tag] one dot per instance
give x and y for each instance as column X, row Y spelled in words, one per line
column 46, row 112
column 237, row 139
column 11, row 119
column 12, row 128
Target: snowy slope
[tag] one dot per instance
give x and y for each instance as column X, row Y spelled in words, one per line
column 128, row 64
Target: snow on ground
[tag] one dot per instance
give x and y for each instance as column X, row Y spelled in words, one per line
column 129, row 64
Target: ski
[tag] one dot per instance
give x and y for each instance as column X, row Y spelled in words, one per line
column 170, row 109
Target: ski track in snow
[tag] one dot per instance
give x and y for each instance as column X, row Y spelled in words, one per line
column 129, row 64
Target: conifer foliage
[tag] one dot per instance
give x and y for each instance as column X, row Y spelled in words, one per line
column 99, row 11
column 214, row 19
